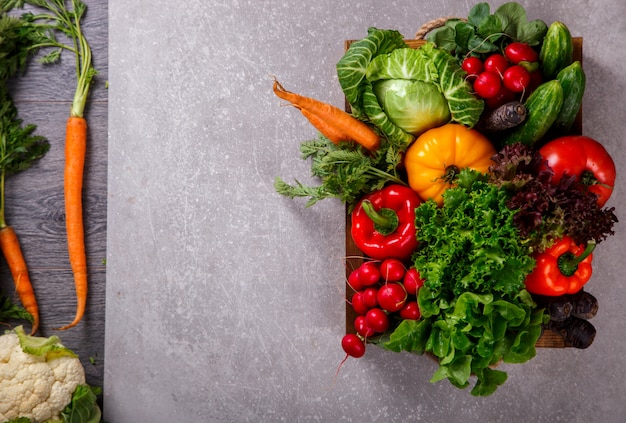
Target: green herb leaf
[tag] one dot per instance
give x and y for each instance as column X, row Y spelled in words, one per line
column 488, row 382
column 484, row 33
column 83, row 407
column 410, row 335
column 346, row 171
column 9, row 310
column 478, row 14
column 517, row 27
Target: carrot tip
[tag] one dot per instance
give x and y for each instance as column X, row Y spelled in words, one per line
column 68, row 326
column 76, row 320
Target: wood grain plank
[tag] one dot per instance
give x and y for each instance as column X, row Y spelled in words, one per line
column 34, row 198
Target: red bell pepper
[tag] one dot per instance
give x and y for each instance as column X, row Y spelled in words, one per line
column 383, row 223
column 584, row 158
column 564, row 268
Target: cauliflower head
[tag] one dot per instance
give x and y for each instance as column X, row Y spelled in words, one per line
column 37, row 377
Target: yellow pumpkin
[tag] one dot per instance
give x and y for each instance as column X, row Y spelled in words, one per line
column 438, row 155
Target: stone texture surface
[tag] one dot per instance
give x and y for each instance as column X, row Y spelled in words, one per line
column 225, row 300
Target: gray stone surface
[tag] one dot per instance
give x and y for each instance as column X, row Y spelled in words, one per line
column 225, row 300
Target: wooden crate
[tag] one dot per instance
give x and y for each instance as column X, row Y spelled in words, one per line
column 355, row 257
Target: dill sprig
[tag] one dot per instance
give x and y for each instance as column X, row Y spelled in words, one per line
column 346, row 171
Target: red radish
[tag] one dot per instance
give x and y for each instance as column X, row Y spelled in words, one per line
column 391, row 297
column 473, row 66
column 410, row 311
column 487, row 84
column 516, row 79
column 370, row 297
column 353, row 346
column 412, row 281
column 496, row 63
column 377, row 319
column 369, row 273
column 392, row 270
column 358, row 303
column 361, row 327
column 354, row 281
column 518, row 52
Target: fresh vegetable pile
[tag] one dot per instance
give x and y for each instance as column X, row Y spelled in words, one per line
column 474, row 199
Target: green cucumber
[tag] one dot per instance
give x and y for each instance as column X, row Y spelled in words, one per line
column 557, row 50
column 572, row 79
column 543, row 106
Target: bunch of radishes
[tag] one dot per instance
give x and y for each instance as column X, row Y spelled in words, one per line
column 382, row 291
column 501, row 78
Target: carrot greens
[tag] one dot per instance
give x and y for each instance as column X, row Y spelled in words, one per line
column 346, row 171
column 56, row 18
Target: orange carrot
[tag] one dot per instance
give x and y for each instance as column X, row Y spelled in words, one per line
column 66, row 20
column 12, row 252
column 75, row 149
column 333, row 133
column 332, row 122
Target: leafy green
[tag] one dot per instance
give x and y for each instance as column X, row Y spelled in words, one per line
column 49, row 348
column 475, row 310
column 346, row 171
column 431, row 67
column 464, row 106
column 471, row 243
column 383, row 56
column 484, row 33
column 351, row 68
column 83, row 407
column 544, row 211
column 398, row 98
column 54, row 17
column 17, row 41
column 18, row 146
column 9, row 310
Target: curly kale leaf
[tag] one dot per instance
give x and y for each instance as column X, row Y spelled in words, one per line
column 471, row 242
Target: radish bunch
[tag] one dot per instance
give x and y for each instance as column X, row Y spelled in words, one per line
column 501, row 78
column 383, row 292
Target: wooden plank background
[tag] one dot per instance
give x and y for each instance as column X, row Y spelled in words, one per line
column 34, row 198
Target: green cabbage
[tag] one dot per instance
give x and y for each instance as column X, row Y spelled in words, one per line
column 400, row 110
column 414, row 106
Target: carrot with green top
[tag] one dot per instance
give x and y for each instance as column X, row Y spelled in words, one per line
column 57, row 17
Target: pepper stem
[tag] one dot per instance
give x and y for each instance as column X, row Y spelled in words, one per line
column 568, row 262
column 385, row 220
column 451, row 173
column 587, row 179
